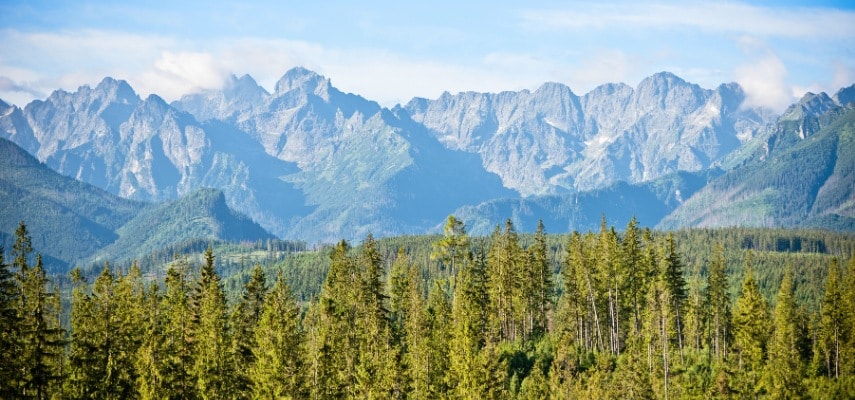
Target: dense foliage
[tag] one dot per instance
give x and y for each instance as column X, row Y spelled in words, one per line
column 607, row 314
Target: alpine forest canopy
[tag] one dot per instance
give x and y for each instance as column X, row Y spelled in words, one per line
column 630, row 313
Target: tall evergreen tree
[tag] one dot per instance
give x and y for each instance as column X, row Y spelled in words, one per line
column 750, row 333
column 785, row 367
column 176, row 346
column 331, row 329
column 539, row 286
column 212, row 366
column 151, row 357
column 832, row 321
column 10, row 331
column 454, row 245
column 675, row 284
column 719, row 304
column 847, row 363
column 42, row 336
column 399, row 294
column 245, row 316
column 433, row 364
column 468, row 337
column 505, row 274
column 278, row 371
column 104, row 338
column 637, row 275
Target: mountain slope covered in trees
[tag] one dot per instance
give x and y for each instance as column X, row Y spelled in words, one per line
column 76, row 220
column 808, row 183
column 73, row 219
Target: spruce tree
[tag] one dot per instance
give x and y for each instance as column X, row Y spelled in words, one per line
column 10, row 331
column 847, row 358
column 43, row 338
column 212, row 366
column 438, row 322
column 245, row 316
column 454, row 245
column 719, row 304
column 832, row 321
column 675, row 284
column 784, row 366
column 540, row 286
column 176, row 343
column 151, row 357
column 278, row 372
column 750, row 334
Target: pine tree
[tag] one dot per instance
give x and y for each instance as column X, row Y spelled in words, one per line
column 40, row 345
column 245, row 317
column 399, row 294
column 675, row 284
column 454, row 245
column 539, row 286
column 785, row 364
column 10, row 331
column 847, row 358
column 413, row 331
column 637, row 275
column 505, row 274
column 42, row 336
column 719, row 304
column 129, row 330
column 83, row 379
column 832, row 321
column 277, row 372
column 151, row 357
column 468, row 328
column 212, row 368
column 104, row 341
column 330, row 330
column 611, row 278
column 750, row 333
column 376, row 369
column 435, row 360
column 176, row 346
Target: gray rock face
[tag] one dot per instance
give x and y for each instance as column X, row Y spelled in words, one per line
column 141, row 149
column 308, row 161
column 552, row 141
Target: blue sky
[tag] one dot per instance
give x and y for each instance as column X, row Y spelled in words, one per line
column 393, row 51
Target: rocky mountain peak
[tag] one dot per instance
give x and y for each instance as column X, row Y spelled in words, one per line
column 554, row 88
column 244, row 87
column 117, row 91
column 302, row 79
column 809, row 105
column 666, row 90
column 845, row 96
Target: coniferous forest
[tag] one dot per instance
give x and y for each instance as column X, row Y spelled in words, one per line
column 629, row 313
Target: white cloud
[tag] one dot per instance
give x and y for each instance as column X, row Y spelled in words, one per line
column 176, row 73
column 764, row 81
column 730, row 17
column 170, row 68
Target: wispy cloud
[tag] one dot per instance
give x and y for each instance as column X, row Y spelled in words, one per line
column 729, row 17
column 8, row 85
column 171, row 68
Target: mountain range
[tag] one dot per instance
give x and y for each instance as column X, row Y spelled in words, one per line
column 309, row 162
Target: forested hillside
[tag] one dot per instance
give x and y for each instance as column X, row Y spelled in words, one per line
column 606, row 314
column 79, row 223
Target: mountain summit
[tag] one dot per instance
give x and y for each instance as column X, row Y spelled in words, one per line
column 308, row 161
